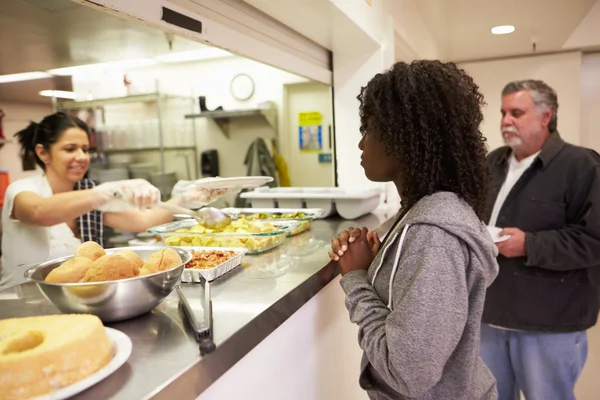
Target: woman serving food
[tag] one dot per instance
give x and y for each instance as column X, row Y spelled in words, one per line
column 47, row 216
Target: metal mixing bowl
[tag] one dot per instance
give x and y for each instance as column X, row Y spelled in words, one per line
column 112, row 300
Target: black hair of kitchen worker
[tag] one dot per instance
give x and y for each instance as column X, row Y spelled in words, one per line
column 424, row 120
column 47, row 132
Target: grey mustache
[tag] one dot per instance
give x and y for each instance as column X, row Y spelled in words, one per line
column 510, row 129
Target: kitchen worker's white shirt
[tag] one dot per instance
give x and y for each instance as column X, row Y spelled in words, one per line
column 515, row 170
column 25, row 243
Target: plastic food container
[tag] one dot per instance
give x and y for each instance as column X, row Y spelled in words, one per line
column 262, row 235
column 210, row 274
column 349, row 203
column 304, row 216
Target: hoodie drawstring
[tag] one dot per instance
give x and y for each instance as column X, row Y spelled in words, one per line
column 385, row 249
column 396, row 263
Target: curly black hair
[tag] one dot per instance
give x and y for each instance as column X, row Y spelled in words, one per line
column 428, row 115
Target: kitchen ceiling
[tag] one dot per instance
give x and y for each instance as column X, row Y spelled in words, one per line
column 37, row 35
column 462, row 27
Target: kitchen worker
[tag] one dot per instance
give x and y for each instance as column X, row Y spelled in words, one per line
column 417, row 298
column 47, row 216
column 546, row 195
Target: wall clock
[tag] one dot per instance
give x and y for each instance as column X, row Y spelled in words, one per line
column 242, row 87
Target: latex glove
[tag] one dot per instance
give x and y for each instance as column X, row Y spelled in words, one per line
column 191, row 194
column 125, row 195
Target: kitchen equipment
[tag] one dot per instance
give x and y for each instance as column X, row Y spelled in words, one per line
column 349, row 203
column 141, row 170
column 112, row 174
column 210, row 274
column 114, row 300
column 164, row 183
column 203, row 330
column 210, row 217
column 257, row 239
column 119, row 160
column 209, row 163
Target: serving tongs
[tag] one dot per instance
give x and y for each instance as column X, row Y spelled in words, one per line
column 203, row 329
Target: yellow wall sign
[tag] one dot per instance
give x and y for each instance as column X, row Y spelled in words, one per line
column 310, row 131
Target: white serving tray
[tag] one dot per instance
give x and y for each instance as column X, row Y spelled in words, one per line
column 191, row 274
column 349, row 203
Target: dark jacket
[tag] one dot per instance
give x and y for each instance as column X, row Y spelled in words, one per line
column 556, row 202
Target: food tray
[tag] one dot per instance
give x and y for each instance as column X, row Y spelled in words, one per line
column 191, row 274
column 255, row 243
column 304, row 222
column 348, row 203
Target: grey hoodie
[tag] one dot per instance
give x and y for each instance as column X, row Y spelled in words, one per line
column 419, row 305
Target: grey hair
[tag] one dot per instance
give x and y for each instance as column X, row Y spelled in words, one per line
column 541, row 94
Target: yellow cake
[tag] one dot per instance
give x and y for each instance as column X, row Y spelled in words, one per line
column 41, row 354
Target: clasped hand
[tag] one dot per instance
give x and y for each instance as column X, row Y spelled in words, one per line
column 354, row 249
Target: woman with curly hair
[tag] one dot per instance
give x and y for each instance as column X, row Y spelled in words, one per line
column 418, row 296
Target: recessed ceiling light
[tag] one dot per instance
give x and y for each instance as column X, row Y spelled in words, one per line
column 503, row 29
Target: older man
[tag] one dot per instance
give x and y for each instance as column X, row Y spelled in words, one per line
column 546, row 195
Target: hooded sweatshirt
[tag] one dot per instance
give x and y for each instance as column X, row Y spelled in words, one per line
column 419, row 305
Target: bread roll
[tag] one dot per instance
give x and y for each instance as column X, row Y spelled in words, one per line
column 91, row 250
column 131, row 255
column 71, row 271
column 162, row 260
column 110, row 268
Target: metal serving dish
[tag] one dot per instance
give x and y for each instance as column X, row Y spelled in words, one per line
column 112, row 300
column 279, row 214
column 181, row 234
column 210, row 274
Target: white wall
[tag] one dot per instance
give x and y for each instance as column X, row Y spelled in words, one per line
column 313, row 355
column 560, row 71
column 366, row 49
column 590, row 101
column 210, row 78
column 395, row 34
column 18, row 116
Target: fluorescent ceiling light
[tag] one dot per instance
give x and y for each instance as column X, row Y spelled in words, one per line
column 25, row 76
column 202, row 54
column 114, row 65
column 59, row 93
column 503, row 29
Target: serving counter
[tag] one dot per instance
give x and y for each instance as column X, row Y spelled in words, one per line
column 249, row 304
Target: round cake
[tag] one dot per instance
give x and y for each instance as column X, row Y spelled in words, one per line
column 39, row 355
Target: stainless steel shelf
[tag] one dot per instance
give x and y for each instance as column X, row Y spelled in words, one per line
column 156, row 98
column 144, row 149
column 223, row 118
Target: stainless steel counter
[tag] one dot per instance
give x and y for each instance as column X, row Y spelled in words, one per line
column 248, row 304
